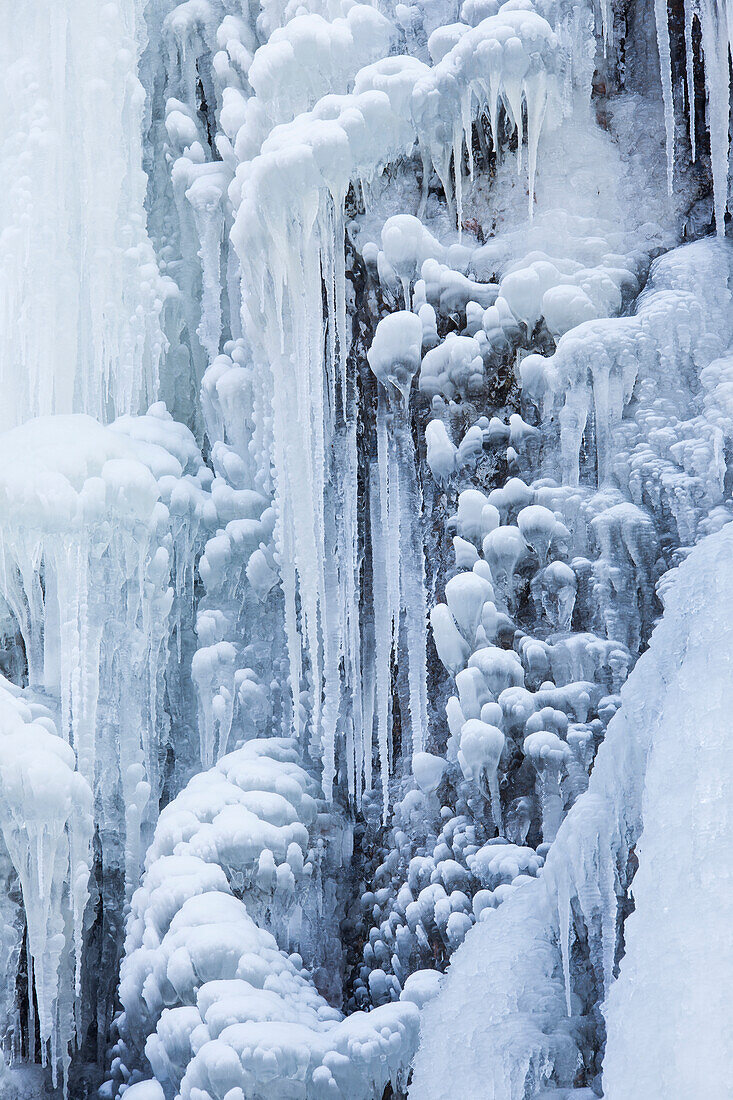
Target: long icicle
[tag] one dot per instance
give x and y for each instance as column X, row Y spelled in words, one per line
column 665, row 68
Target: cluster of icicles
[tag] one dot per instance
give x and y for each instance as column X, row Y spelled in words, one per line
column 715, row 19
column 131, row 500
column 102, row 509
column 281, row 185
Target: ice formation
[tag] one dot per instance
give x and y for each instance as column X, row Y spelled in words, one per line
column 81, row 289
column 97, row 522
column 365, row 482
column 539, row 952
column 46, row 823
column 221, row 1004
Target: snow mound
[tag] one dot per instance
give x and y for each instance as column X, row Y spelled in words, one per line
column 207, row 991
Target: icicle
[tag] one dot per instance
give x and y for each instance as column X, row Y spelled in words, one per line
column 332, row 683
column 564, row 914
column 348, row 569
column 717, row 81
column 384, row 613
column 690, row 73
column 287, row 573
column 369, row 687
column 397, row 552
column 607, row 25
column 536, row 96
column 412, row 581
column 458, row 136
column 665, row 66
column 46, row 821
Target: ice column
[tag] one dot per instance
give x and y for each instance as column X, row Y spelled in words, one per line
column 79, row 284
column 397, row 550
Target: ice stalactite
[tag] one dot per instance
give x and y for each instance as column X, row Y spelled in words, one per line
column 12, row 923
column 690, row 80
column 717, row 33
column 46, row 820
column 598, row 363
column 715, row 19
column 398, row 570
column 80, row 287
column 510, row 60
column 665, row 66
column 344, row 141
column 311, row 406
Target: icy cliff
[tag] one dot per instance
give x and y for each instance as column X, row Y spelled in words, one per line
column 366, row 429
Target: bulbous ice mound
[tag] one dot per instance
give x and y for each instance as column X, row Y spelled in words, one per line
column 207, row 992
column 63, row 471
column 508, row 1021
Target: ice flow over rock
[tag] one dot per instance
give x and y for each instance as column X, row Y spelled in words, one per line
column 365, row 419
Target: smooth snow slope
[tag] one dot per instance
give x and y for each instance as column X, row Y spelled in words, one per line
column 668, row 1014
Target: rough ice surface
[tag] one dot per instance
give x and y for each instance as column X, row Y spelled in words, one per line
column 248, row 829
column 520, row 983
column 46, row 822
column 366, row 436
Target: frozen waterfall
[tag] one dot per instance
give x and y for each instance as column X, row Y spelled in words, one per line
column 366, row 459
column 654, row 780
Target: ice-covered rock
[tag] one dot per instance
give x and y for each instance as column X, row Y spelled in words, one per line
column 207, row 992
column 525, row 946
